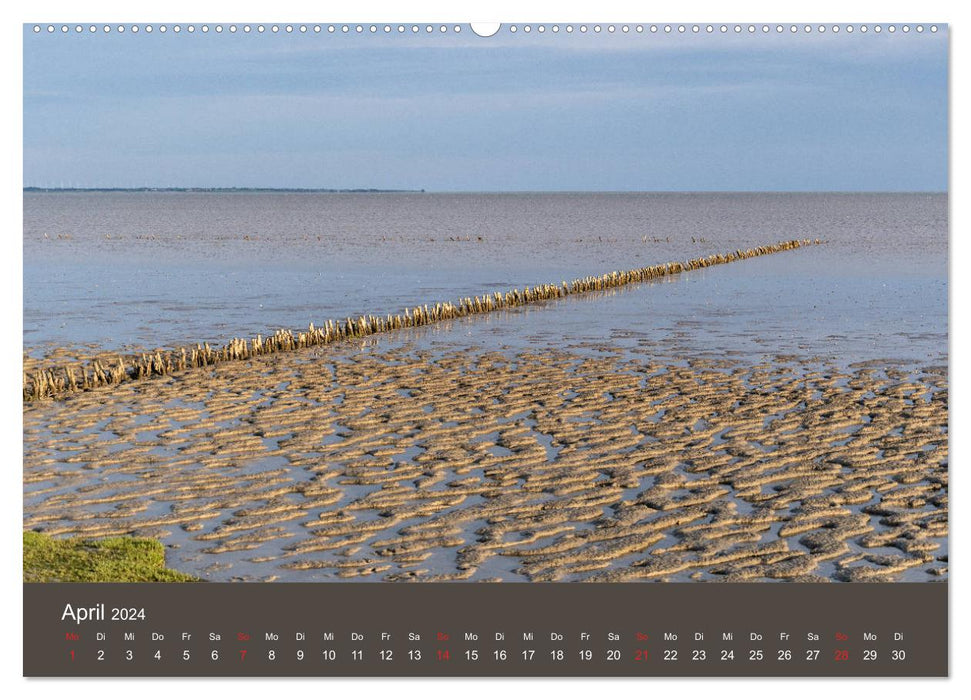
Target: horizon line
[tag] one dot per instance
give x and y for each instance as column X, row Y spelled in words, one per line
column 377, row 190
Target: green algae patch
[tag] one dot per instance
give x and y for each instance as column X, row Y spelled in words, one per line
column 109, row 560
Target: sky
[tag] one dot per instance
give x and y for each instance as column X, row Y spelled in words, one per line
column 512, row 112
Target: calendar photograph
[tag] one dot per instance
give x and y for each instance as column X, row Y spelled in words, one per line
column 575, row 303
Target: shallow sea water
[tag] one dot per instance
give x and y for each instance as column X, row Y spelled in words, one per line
column 116, row 270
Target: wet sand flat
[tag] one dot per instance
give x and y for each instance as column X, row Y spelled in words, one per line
column 541, row 465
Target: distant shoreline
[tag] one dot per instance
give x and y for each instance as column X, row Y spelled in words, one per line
column 364, row 190
column 216, row 189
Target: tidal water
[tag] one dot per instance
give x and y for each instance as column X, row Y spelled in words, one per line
column 124, row 270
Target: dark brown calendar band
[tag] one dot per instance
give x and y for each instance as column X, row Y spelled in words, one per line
column 461, row 629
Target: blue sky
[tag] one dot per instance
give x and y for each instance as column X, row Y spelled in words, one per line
column 511, row 112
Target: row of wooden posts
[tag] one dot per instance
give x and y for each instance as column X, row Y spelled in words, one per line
column 59, row 380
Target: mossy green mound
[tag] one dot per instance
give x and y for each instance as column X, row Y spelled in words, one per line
column 110, row 560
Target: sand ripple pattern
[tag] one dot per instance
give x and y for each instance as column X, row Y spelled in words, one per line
column 547, row 466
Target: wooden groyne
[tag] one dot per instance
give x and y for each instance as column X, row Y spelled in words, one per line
column 54, row 381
